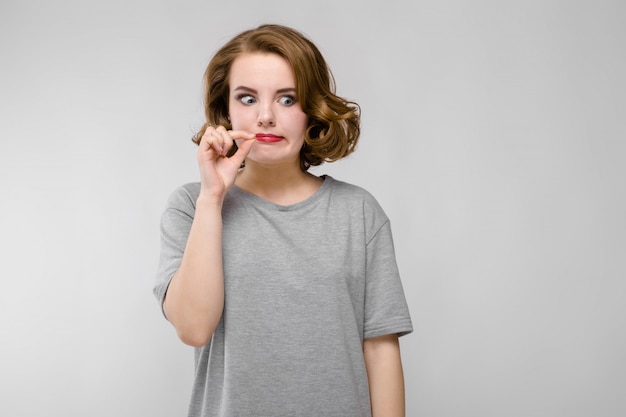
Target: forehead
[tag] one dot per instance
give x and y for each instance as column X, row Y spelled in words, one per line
column 261, row 69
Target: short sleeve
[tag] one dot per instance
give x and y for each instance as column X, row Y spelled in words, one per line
column 386, row 309
column 176, row 223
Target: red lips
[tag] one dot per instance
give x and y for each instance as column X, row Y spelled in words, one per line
column 267, row 137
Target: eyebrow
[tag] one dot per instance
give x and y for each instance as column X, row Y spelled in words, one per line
column 252, row 90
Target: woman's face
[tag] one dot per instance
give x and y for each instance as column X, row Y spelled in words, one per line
column 262, row 100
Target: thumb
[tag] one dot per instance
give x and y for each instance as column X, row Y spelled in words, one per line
column 243, row 151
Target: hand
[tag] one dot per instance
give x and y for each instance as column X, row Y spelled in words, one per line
column 217, row 172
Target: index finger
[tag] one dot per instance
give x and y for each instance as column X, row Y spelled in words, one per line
column 241, row 134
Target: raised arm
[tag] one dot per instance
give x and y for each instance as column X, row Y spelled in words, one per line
column 195, row 297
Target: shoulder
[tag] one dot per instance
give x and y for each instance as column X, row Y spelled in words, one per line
column 184, row 197
column 353, row 193
column 358, row 199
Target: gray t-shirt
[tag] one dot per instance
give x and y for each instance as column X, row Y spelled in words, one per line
column 304, row 285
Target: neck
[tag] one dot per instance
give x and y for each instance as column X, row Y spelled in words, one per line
column 280, row 183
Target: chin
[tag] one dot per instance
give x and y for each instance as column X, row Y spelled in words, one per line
column 271, row 158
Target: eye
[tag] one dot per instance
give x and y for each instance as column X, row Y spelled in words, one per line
column 246, row 99
column 287, row 100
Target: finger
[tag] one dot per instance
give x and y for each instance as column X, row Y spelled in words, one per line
column 224, row 139
column 243, row 149
column 212, row 139
column 241, row 135
column 206, row 142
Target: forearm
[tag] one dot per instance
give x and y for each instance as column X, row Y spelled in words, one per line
column 385, row 376
column 195, row 297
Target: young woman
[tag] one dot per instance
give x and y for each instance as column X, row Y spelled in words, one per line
column 285, row 283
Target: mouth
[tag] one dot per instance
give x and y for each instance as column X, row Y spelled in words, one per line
column 267, row 137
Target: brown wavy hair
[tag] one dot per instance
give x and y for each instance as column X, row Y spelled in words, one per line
column 333, row 123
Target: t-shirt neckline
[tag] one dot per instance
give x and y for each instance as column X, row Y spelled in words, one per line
column 289, row 207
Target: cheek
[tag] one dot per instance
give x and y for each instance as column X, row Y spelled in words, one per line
column 297, row 121
column 240, row 119
column 303, row 122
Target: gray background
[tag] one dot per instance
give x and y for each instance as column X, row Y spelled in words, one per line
column 493, row 135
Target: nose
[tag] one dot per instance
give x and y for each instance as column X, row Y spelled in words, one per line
column 266, row 116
